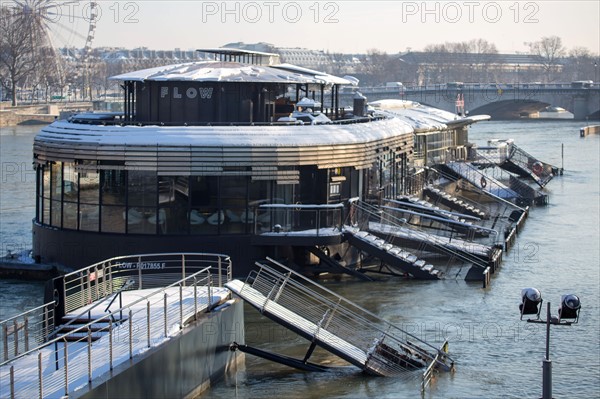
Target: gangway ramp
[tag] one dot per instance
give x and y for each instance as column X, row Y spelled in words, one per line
column 479, row 254
column 337, row 325
column 392, row 255
column 522, row 163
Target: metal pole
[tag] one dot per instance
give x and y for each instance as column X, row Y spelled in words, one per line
column 40, row 374
column 148, row 321
column 12, row 382
column 165, row 308
column 130, row 334
column 66, row 366
column 547, row 364
column 562, row 157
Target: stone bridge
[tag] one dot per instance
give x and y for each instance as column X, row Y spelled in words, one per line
column 502, row 101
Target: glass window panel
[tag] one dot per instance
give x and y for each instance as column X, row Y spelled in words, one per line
column 114, row 187
column 89, row 217
column 40, row 192
column 205, row 217
column 173, row 202
column 46, row 211
column 113, row 220
column 234, row 191
column 56, row 180
column 56, row 213
column 71, row 182
column 70, row 215
column 259, row 193
column 89, row 188
column 142, row 188
column 46, row 182
column 141, row 220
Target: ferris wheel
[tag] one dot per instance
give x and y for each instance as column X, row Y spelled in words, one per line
column 62, row 31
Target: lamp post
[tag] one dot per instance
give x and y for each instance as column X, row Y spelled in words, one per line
column 569, row 309
column 596, row 72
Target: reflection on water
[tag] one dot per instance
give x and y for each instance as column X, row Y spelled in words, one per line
column 497, row 354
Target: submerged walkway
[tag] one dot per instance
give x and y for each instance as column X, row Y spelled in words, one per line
column 336, row 324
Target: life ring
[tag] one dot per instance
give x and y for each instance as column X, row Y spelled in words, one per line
column 483, row 182
column 537, row 168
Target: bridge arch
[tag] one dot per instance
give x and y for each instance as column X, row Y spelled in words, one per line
column 510, row 109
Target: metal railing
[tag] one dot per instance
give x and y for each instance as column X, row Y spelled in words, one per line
column 166, row 305
column 385, row 348
column 26, row 330
column 539, row 171
column 388, row 217
column 283, row 218
column 102, row 279
column 522, row 189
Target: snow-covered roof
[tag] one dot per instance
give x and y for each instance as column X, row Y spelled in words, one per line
column 321, row 76
column 424, row 118
column 277, row 136
column 225, row 71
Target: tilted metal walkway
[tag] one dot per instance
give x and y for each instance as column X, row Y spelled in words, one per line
column 392, row 255
column 336, row 324
column 510, row 188
column 526, row 165
column 475, row 252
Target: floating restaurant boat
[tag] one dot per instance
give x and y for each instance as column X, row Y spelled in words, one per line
column 246, row 156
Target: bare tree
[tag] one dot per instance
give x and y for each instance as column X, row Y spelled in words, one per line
column 16, row 53
column 550, row 50
column 579, row 65
column 375, row 66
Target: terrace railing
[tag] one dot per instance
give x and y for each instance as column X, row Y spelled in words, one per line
column 159, row 313
column 314, row 219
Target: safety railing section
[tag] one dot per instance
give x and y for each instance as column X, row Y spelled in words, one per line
column 383, row 348
column 428, row 374
column 504, row 215
column 387, row 216
column 523, row 190
column 102, row 279
column 317, row 220
column 541, row 172
column 26, row 330
column 491, row 182
column 92, row 347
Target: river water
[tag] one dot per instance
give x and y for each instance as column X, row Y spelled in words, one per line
column 496, row 354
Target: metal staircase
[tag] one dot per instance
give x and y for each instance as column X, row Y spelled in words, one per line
column 380, row 233
column 456, row 204
column 392, row 255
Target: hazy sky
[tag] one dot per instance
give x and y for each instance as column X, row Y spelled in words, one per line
column 345, row 26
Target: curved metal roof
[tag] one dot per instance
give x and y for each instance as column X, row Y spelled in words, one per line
column 225, row 71
column 267, row 151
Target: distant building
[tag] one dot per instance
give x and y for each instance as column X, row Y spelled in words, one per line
column 440, row 67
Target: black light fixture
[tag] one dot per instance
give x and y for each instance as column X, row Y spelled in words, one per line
column 569, row 307
column 568, row 313
column 531, row 299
